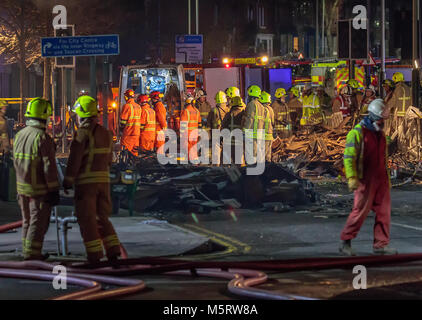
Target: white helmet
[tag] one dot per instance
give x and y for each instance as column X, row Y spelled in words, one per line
column 377, row 107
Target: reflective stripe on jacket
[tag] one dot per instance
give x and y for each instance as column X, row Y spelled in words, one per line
column 310, row 108
column 254, row 119
column 90, row 154
column 35, row 161
column 269, row 122
column 131, row 119
column 190, row 120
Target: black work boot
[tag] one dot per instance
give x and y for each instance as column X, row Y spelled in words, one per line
column 346, row 248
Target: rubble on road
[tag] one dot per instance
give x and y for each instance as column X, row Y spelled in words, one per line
column 201, row 189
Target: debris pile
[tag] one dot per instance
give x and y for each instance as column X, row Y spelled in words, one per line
column 201, row 189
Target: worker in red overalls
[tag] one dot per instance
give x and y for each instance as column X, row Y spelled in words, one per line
column 365, row 163
column 147, row 124
column 161, row 120
column 190, row 120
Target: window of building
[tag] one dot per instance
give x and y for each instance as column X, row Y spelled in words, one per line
column 261, row 16
column 216, row 14
column 250, row 13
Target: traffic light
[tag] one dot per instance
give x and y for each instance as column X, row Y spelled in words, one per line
column 66, row 62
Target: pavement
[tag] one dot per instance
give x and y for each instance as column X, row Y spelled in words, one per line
column 141, row 236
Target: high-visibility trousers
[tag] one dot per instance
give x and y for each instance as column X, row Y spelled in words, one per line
column 147, row 141
column 93, row 208
column 131, row 143
column 36, row 219
column 373, row 195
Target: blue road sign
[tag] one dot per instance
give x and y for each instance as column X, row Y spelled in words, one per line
column 99, row 45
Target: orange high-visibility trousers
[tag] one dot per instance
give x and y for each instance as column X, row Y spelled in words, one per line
column 93, row 208
column 148, row 129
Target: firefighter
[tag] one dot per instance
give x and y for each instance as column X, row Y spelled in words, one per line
column 254, row 121
column 401, row 98
column 265, row 100
column 324, row 99
column 203, row 106
column 161, row 120
column 282, row 125
column 4, row 135
column 365, row 163
column 88, row 170
column 295, row 107
column 343, row 102
column 214, row 121
column 232, row 92
column 311, row 107
column 36, row 177
column 388, row 87
column 370, row 95
column 130, row 123
column 190, row 119
column 233, row 121
column 147, row 123
column 357, row 95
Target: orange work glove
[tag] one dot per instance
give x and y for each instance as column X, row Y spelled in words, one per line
column 353, row 183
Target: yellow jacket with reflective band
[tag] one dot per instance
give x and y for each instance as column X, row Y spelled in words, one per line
column 311, row 109
column 354, row 151
column 35, row 161
column 282, row 118
column 254, row 119
column 216, row 116
column 90, row 154
column 269, row 122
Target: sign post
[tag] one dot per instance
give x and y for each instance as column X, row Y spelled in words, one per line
column 189, row 48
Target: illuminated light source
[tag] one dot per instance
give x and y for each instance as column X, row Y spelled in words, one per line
column 227, row 65
column 226, row 61
column 264, row 59
column 416, row 64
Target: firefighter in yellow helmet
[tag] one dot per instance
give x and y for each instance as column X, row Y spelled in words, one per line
column 401, row 98
column 254, row 125
column 215, row 120
column 311, row 107
column 357, row 96
column 282, row 125
column 4, row 135
column 232, row 92
column 36, row 177
column 265, row 99
column 398, row 77
column 295, row 107
column 88, row 170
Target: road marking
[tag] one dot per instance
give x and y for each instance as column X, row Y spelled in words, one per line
column 246, row 248
column 230, row 244
column 406, row 226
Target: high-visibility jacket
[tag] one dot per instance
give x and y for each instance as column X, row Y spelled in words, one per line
column 295, row 107
column 161, row 120
column 4, row 136
column 216, row 116
column 190, row 120
column 148, row 128
column 254, row 119
column 90, row 155
column 130, row 120
column 204, row 109
column 269, row 122
column 400, row 100
column 282, row 120
column 311, row 110
column 233, row 120
column 35, row 161
column 354, row 153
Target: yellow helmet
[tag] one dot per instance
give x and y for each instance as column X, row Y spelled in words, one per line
column 295, row 91
column 38, row 108
column 265, row 97
column 398, row 77
column 254, row 91
column 85, row 107
column 353, row 83
column 280, row 92
column 236, row 101
column 220, row 97
column 233, row 92
column 3, row 103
